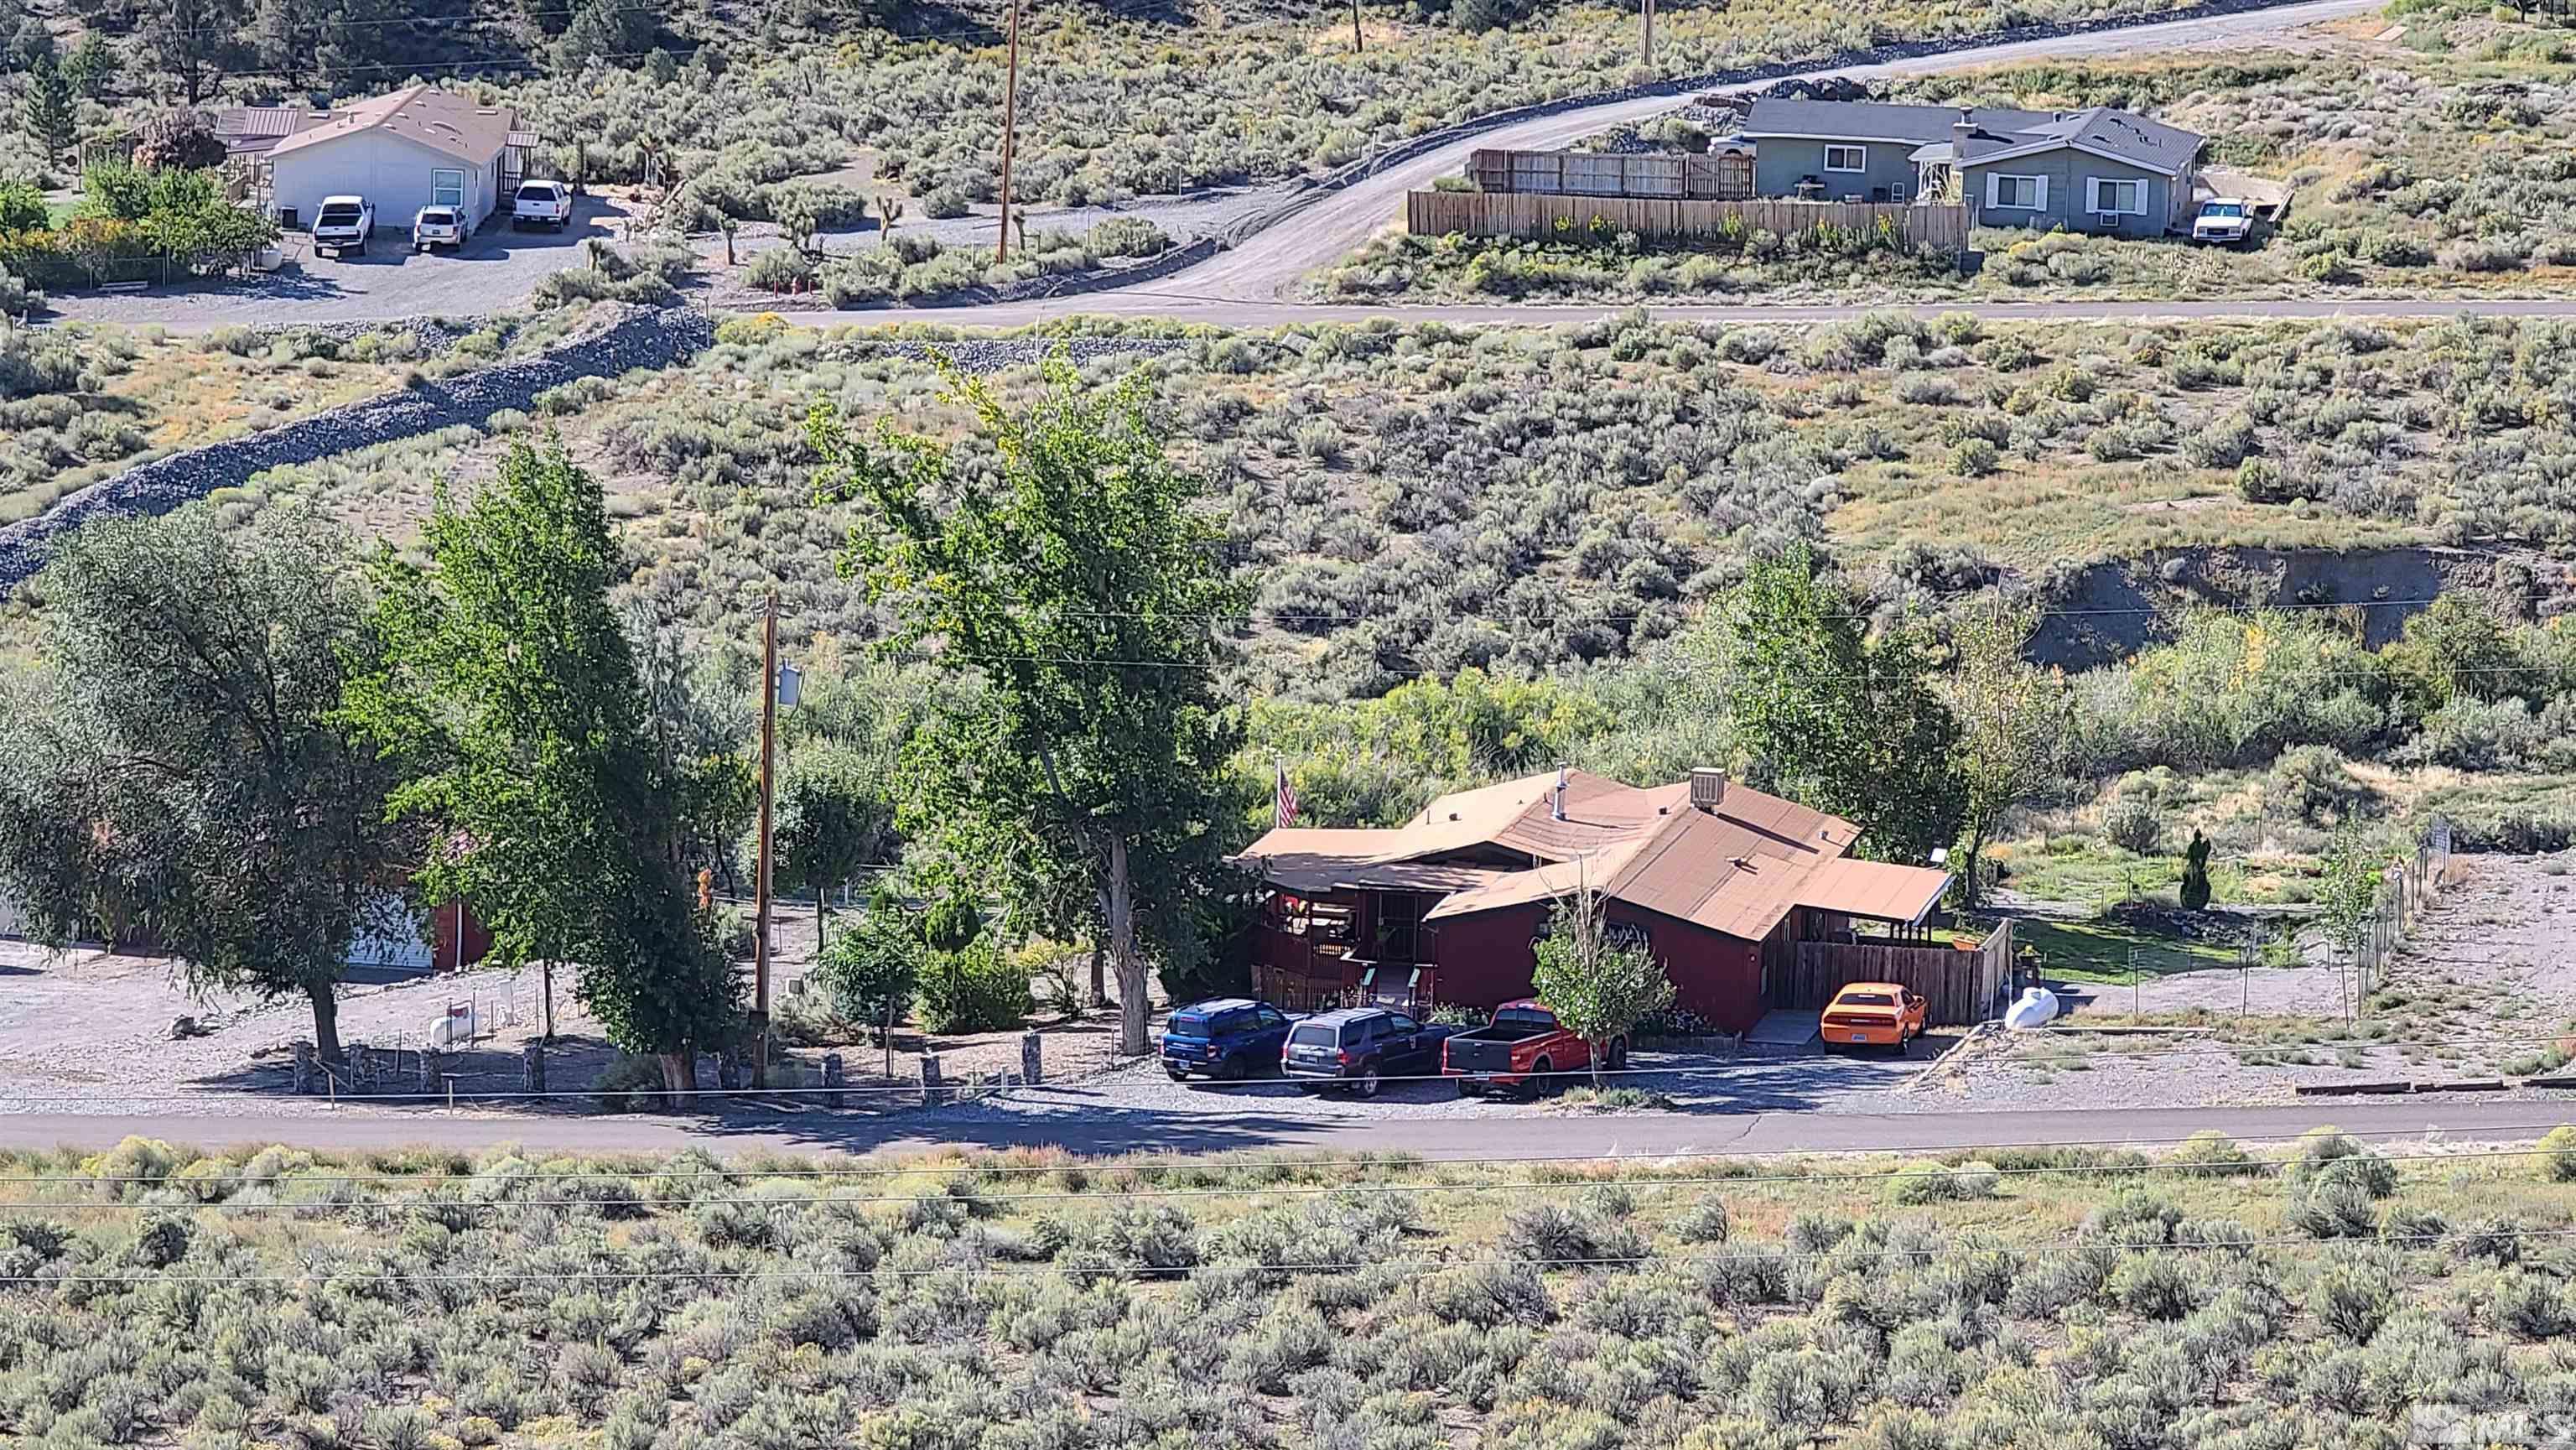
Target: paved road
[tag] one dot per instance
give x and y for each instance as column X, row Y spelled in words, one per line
column 1243, row 287
column 1112, row 1131
column 1264, row 265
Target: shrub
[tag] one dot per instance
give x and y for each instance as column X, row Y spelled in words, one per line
column 1974, row 458
column 629, row 1084
column 2557, row 1156
column 1548, row 1233
column 2155, row 1285
column 944, row 202
column 976, row 988
column 2352, row 1300
column 2133, row 824
column 1126, row 236
column 2212, row 1152
column 1705, row 1222
column 2485, row 254
column 780, row 269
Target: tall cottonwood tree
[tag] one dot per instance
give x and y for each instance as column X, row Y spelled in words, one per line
column 1841, row 718
column 180, row 774
column 510, row 690
column 1070, row 576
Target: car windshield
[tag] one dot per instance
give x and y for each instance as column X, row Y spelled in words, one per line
column 1317, row 1035
column 1864, row 999
column 2222, row 209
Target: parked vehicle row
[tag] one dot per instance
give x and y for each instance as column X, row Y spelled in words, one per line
column 343, row 225
column 1360, row 1049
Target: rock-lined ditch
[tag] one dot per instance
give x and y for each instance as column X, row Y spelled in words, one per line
column 635, row 338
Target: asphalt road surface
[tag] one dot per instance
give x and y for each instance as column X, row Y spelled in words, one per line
column 1243, row 287
column 1114, row 1131
column 1274, row 259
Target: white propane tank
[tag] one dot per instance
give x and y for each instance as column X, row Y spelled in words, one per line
column 453, row 1027
column 2037, row 1008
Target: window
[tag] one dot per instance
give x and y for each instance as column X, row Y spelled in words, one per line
column 447, row 187
column 1271, row 1017
column 1846, row 158
column 2119, row 198
column 2025, row 193
column 1318, row 1035
column 1401, row 1025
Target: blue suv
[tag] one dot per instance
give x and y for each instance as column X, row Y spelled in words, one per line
column 1225, row 1038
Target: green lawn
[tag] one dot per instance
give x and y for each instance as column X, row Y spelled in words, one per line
column 2107, row 951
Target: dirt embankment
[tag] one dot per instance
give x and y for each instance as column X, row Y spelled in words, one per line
column 2109, row 610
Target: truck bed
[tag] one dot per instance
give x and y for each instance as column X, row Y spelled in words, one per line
column 1483, row 1051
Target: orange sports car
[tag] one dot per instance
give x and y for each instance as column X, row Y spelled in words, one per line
column 1874, row 1014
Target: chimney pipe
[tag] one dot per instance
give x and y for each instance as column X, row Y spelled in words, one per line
column 1960, row 130
column 1556, row 805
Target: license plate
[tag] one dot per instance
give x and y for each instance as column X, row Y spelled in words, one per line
column 1860, row 1037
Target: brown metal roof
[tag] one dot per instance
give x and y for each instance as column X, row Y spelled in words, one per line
column 1879, row 890
column 1737, row 869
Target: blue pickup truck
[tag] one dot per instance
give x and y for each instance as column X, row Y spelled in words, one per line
column 1225, row 1038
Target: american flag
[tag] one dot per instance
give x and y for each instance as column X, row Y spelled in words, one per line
column 1285, row 800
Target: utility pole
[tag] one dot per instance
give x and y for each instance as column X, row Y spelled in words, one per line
column 1357, row 44
column 1646, row 32
column 1010, row 124
column 760, row 888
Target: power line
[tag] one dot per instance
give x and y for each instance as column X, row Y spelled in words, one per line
column 2029, row 1248
column 2185, row 1168
column 1255, row 1163
column 968, row 1087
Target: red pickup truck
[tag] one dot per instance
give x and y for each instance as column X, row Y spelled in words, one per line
column 1524, row 1046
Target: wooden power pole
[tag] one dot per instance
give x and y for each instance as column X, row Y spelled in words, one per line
column 1010, row 124
column 1646, row 32
column 760, row 888
column 1358, row 46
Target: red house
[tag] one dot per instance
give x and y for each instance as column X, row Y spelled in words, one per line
column 1722, row 883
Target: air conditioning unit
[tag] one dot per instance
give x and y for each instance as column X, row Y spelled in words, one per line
column 1707, row 788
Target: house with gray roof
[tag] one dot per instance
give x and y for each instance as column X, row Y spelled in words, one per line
column 2098, row 170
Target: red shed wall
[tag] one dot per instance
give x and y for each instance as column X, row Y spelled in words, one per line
column 1487, row 958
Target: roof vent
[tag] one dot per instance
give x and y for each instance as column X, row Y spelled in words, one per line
column 1707, row 788
column 1556, row 803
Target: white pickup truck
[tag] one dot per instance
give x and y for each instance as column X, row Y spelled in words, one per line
column 545, row 204
column 343, row 225
column 2223, row 220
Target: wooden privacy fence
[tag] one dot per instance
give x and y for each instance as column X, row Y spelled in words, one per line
column 1960, row 987
column 1519, row 214
column 1725, row 176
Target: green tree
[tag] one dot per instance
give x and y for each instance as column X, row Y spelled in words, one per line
column 2008, row 712
column 51, row 119
column 872, row 970
column 1847, row 722
column 702, row 709
column 92, row 67
column 2348, row 902
column 177, row 140
column 833, row 818
column 510, row 688
column 1071, row 575
column 2459, row 648
column 2195, row 874
column 1599, row 989
column 179, row 772
column 192, row 44
column 614, row 31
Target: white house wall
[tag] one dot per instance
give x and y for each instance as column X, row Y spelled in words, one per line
column 388, row 170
